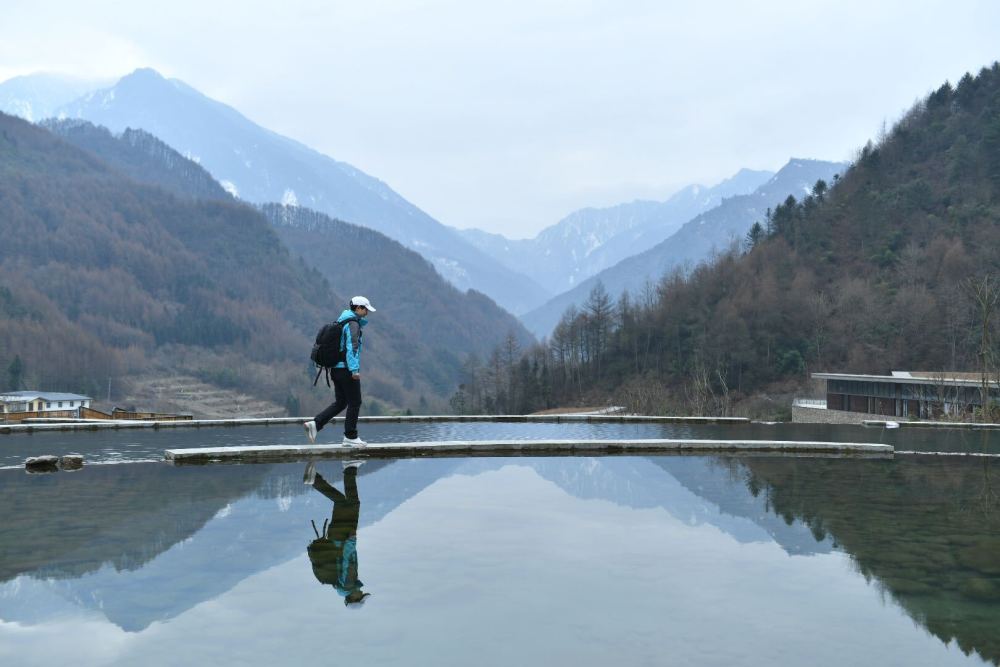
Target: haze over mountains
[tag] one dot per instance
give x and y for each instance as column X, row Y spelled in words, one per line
column 202, row 150
column 260, row 166
column 38, row 96
column 592, row 239
column 713, row 230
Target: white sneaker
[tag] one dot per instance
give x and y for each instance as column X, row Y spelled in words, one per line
column 354, row 442
column 310, row 427
column 353, row 464
column 310, row 474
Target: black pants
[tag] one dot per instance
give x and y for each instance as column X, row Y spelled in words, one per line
column 347, row 391
column 346, row 508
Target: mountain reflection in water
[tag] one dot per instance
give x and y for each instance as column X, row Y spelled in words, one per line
column 144, row 543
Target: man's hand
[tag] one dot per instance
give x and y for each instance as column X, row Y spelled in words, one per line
column 355, row 376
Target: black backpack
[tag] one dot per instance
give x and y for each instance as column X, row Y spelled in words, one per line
column 327, row 351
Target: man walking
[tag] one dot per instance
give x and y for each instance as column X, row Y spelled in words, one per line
column 346, row 375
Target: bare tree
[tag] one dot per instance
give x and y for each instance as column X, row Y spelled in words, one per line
column 985, row 294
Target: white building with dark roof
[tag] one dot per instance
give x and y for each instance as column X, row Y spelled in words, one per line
column 41, row 401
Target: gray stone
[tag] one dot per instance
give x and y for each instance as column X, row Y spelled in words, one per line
column 71, row 462
column 44, row 463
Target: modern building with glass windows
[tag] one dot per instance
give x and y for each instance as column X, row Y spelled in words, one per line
column 916, row 395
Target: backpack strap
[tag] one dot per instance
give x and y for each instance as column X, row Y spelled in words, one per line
column 321, row 371
column 343, row 327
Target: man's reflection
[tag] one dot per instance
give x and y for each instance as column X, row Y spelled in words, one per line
column 334, row 555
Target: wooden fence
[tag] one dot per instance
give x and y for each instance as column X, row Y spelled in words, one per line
column 15, row 417
column 118, row 413
column 89, row 413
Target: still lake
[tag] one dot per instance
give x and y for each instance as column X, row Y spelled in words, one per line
column 667, row 560
column 130, row 445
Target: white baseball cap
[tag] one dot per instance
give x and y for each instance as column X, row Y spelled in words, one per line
column 362, row 301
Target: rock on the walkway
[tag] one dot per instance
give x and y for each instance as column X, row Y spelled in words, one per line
column 44, row 463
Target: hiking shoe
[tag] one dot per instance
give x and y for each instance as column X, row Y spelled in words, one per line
column 354, row 442
column 310, row 474
column 356, row 463
column 310, row 427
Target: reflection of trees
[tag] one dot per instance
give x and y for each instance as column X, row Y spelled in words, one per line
column 925, row 528
column 987, row 498
column 68, row 525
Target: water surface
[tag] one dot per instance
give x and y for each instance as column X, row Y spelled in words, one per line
column 148, row 445
column 681, row 560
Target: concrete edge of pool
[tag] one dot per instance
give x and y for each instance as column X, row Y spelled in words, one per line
column 254, row 454
column 972, row 426
column 95, row 425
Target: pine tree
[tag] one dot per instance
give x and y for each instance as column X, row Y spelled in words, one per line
column 754, row 236
column 15, row 373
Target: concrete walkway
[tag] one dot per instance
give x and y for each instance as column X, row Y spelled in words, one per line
column 96, row 425
column 522, row 448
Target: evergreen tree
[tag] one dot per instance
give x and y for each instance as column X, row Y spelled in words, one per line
column 754, row 236
column 15, row 373
column 293, row 406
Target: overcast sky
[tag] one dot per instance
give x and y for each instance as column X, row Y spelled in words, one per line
column 508, row 116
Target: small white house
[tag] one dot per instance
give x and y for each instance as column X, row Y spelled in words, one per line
column 41, row 401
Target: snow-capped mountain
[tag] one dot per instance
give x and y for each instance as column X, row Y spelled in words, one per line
column 592, row 239
column 261, row 166
column 712, row 231
column 37, row 96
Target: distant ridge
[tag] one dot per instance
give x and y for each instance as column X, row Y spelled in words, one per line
column 712, row 231
column 589, row 240
column 37, row 96
column 261, row 166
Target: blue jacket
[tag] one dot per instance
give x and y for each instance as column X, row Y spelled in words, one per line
column 350, row 341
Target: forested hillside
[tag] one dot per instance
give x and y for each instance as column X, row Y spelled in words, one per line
column 882, row 269
column 141, row 156
column 401, row 283
column 103, row 277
